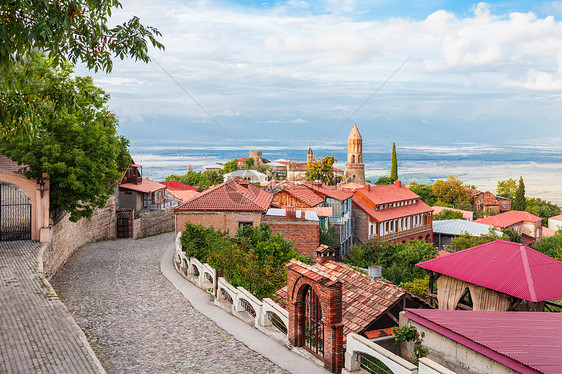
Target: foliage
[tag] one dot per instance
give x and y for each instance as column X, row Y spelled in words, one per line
column 465, row 240
column 507, row 188
column 78, row 147
column 418, row 286
column 409, row 333
column 253, row 259
column 329, row 236
column 511, row 235
column 542, row 208
column 397, row 260
column 450, row 191
column 249, row 163
column 76, row 30
column 440, row 203
column 394, row 165
column 464, row 205
column 550, row 246
column 448, row 214
column 230, row 166
column 424, row 191
column 519, row 202
column 322, row 170
column 383, row 180
column 263, row 168
column 203, row 179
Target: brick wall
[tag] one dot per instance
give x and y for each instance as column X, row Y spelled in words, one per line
column 330, row 296
column 305, row 234
column 68, row 236
column 218, row 220
column 153, row 223
column 361, row 224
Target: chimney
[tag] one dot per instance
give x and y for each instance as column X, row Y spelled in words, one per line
column 375, row 272
column 324, row 254
column 398, row 183
column 367, row 187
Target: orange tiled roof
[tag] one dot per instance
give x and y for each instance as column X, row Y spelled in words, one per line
column 147, row 186
column 235, row 195
column 509, row 218
column 363, row 300
column 330, row 191
column 472, row 191
column 373, row 334
column 548, row 232
column 303, row 193
column 183, row 195
column 386, row 194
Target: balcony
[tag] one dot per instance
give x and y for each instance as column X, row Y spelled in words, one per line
column 402, row 233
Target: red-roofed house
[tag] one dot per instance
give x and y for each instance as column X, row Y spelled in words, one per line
column 226, row 206
column 499, row 275
column 488, row 202
column 137, row 193
column 336, row 300
column 525, row 224
column 490, row 342
column 390, row 213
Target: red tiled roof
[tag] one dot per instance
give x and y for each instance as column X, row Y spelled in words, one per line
column 235, row 195
column 373, row 334
column 330, row 191
column 527, row 342
column 303, row 193
column 8, row 164
column 509, row 218
column 547, row 232
column 503, row 266
column 386, row 194
column 558, row 217
column 183, row 195
column 472, row 191
column 363, row 300
column 178, row 186
column 147, row 186
column 391, row 213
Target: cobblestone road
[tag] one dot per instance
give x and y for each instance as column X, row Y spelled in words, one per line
column 138, row 322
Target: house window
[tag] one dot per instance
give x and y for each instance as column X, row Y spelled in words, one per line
column 504, row 205
column 128, row 192
column 243, row 224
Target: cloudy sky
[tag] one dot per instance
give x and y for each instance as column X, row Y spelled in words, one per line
column 237, row 72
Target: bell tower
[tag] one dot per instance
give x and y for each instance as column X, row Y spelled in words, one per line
column 309, row 156
column 354, row 167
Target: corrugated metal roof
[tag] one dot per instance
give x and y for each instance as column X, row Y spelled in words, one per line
column 458, row 226
column 509, row 218
column 527, row 342
column 511, row 268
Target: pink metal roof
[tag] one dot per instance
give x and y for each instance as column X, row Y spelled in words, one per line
column 178, row 186
column 509, row 218
column 527, row 342
column 503, row 266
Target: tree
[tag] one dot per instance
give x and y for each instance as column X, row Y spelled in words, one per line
column 519, row 202
column 322, row 169
column 542, row 208
column 550, row 246
column 465, row 240
column 76, row 30
column 450, row 191
column 78, row 147
column 230, row 166
column 448, row 214
column 249, row 163
column 507, row 188
column 383, row 180
column 424, row 191
column 394, row 165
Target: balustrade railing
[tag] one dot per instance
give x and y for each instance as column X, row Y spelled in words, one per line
column 407, row 232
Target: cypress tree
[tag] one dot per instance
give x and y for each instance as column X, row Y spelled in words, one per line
column 394, row 165
column 519, row 202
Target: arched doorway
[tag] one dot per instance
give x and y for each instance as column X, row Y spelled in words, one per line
column 15, row 213
column 313, row 325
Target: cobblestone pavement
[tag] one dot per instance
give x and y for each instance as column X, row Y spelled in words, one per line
column 138, row 322
column 37, row 334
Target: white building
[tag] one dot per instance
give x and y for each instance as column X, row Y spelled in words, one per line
column 249, row 175
column 554, row 223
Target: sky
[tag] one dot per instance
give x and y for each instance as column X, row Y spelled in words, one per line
column 242, row 73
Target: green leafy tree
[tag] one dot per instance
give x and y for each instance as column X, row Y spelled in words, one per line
column 322, row 169
column 329, row 236
column 74, row 30
column 550, row 246
column 448, row 214
column 465, row 240
column 519, row 202
column 511, row 235
column 507, row 188
column 450, row 191
column 542, row 208
column 230, row 166
column 424, row 191
column 383, row 180
column 249, row 163
column 78, row 147
column 464, row 205
column 394, row 165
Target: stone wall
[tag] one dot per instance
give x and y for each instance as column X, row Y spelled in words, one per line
column 68, row 236
column 224, row 221
column 154, row 223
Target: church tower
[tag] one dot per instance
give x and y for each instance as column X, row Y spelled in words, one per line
column 309, row 156
column 354, row 167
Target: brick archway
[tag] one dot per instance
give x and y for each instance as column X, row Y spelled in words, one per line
column 300, row 279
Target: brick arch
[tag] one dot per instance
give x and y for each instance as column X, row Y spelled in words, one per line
column 39, row 202
column 299, row 288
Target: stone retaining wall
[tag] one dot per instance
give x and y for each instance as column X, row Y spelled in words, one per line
column 153, row 223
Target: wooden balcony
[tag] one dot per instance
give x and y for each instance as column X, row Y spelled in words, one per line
column 399, row 234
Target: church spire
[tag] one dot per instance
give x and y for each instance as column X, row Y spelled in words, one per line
column 354, row 167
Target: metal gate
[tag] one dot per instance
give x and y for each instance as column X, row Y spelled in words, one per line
column 15, row 213
column 124, row 222
column 313, row 325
